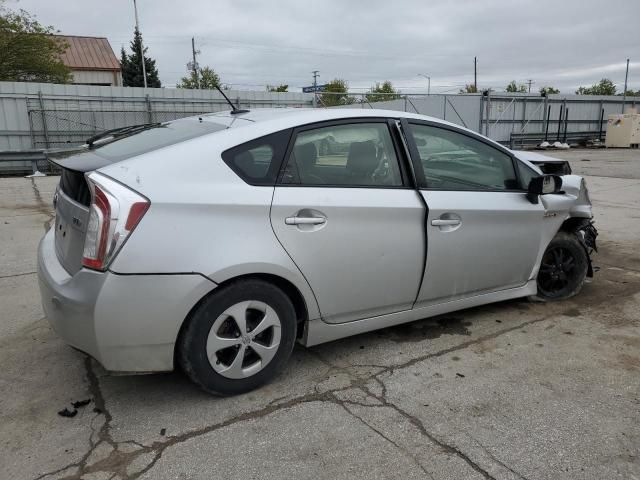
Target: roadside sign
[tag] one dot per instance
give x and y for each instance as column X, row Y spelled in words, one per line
column 317, row 88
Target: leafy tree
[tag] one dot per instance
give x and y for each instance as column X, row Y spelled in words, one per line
column 28, row 51
column 469, row 88
column 207, row 79
column 382, row 92
column 132, row 66
column 548, row 90
column 631, row 93
column 279, row 88
column 603, row 87
column 513, row 88
column 336, row 94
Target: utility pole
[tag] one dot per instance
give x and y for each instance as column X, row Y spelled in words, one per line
column 624, row 93
column 529, row 82
column 194, row 66
column 475, row 74
column 316, row 74
column 428, row 82
column 144, row 68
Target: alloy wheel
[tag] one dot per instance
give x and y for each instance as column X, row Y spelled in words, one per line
column 244, row 339
column 557, row 271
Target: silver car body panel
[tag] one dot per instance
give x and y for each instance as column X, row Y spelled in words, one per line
column 494, row 246
column 206, row 226
column 129, row 323
column 69, row 229
column 318, row 332
column 372, row 242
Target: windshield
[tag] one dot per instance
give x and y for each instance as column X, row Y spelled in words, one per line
column 154, row 137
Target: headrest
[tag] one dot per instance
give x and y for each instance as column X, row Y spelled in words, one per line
column 306, row 154
column 246, row 163
column 362, row 157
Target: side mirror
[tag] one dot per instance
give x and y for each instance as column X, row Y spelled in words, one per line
column 543, row 185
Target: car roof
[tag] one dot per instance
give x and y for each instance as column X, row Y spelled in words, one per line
column 302, row 116
column 263, row 121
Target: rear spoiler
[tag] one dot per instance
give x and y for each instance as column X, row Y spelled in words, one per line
column 79, row 159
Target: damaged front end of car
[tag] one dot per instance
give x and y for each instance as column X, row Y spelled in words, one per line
column 580, row 221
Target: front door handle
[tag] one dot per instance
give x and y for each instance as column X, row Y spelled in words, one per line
column 305, row 220
column 441, row 222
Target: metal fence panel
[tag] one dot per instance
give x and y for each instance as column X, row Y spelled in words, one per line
column 41, row 115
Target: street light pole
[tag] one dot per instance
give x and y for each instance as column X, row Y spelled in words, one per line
column 428, row 82
column 144, row 68
column 624, row 93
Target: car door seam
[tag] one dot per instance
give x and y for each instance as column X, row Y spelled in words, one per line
column 425, row 223
column 273, row 194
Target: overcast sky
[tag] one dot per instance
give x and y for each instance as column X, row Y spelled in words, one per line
column 252, row 43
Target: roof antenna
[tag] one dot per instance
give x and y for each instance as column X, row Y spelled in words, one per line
column 234, row 110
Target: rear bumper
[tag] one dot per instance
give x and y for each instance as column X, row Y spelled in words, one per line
column 129, row 323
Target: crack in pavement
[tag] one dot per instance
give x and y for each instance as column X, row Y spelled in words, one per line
column 499, row 462
column 24, row 274
column 42, row 205
column 371, row 427
column 450, row 449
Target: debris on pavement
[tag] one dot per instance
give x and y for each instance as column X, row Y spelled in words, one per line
column 68, row 413
column 81, row 403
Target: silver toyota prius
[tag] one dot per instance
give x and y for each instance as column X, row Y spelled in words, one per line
column 214, row 243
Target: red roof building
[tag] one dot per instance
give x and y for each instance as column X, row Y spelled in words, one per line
column 91, row 60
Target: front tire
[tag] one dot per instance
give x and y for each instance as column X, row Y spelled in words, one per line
column 238, row 338
column 563, row 268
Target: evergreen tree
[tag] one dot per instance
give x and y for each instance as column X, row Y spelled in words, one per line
column 132, row 66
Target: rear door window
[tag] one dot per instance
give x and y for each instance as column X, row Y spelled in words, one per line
column 358, row 154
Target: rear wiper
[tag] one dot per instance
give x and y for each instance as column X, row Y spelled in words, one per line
column 119, row 132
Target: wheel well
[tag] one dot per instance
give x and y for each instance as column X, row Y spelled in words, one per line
column 286, row 286
column 572, row 224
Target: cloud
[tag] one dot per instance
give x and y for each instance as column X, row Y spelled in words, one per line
column 252, row 43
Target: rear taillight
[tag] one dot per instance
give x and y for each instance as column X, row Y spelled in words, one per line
column 114, row 212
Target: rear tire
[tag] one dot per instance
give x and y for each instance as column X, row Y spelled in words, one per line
column 563, row 268
column 238, row 338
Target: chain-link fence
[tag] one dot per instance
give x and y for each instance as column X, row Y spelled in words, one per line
column 512, row 119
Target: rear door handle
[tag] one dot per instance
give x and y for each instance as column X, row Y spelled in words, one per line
column 305, row 220
column 440, row 222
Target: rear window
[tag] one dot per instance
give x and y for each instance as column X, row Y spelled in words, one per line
column 154, row 138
